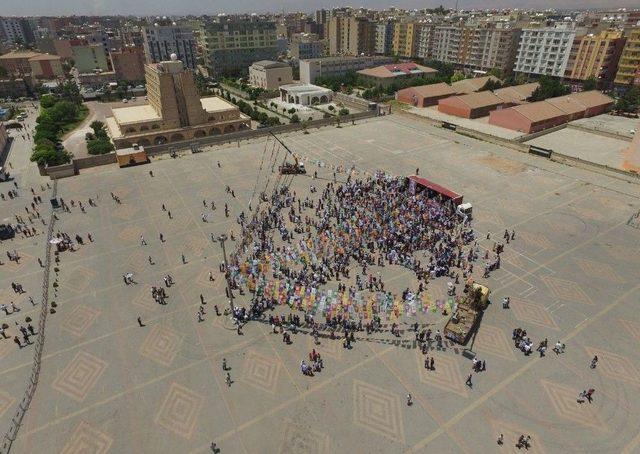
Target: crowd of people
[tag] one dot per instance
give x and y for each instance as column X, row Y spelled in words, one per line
column 302, row 243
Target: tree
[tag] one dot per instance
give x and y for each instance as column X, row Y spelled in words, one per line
column 50, row 156
column 457, row 76
column 590, row 83
column 549, row 88
column 295, row 118
column 496, row 72
column 63, row 112
column 491, row 84
column 629, row 101
column 99, row 129
column 69, row 91
column 99, row 146
column 344, row 111
column 521, row 79
column 331, row 108
column 47, row 101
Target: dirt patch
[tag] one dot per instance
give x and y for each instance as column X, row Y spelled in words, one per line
column 503, row 165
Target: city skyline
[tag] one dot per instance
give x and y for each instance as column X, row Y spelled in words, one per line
column 166, row 7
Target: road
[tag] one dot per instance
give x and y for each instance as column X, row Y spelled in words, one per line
column 74, row 141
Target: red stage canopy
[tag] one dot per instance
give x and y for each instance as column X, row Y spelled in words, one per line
column 457, row 198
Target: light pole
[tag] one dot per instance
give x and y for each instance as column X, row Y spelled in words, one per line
column 222, row 238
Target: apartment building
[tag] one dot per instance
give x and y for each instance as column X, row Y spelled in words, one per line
column 350, row 35
column 545, row 50
column 483, row 46
column 595, row 55
column 306, row 45
column 406, row 39
column 629, row 64
column 160, row 41
column 16, row 30
column 336, row 66
column 384, row 38
column 426, row 39
column 231, row 44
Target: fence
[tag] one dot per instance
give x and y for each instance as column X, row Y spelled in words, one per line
column 11, row 434
column 252, row 134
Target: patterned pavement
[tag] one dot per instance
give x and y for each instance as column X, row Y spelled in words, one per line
column 108, row 385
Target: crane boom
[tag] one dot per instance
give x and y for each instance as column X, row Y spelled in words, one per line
column 285, row 147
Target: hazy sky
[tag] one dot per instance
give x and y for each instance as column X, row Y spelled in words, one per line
column 168, row 7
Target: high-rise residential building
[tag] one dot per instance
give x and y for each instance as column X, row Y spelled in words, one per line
column 175, row 111
column 231, row 44
column 128, row 63
column 306, row 45
column 351, row 35
column 545, row 50
column 595, row 55
column 405, row 39
column 17, row 30
column 384, row 38
column 320, row 18
column 629, row 64
column 161, row 41
column 426, row 37
column 482, row 46
column 447, row 43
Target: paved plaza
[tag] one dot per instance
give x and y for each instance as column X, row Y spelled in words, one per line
column 109, row 385
column 589, row 146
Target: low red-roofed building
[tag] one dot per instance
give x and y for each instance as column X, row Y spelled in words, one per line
column 516, row 94
column 386, row 75
column 569, row 105
column 424, row 95
column 528, row 118
column 593, row 101
column 473, row 105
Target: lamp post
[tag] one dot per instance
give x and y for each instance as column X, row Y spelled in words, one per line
column 222, row 238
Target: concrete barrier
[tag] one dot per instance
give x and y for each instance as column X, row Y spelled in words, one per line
column 94, row 161
column 533, row 135
column 61, row 171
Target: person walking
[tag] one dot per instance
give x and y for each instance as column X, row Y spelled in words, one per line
column 594, row 361
column 468, row 382
column 228, row 379
column 142, row 241
column 142, row 325
column 224, row 364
